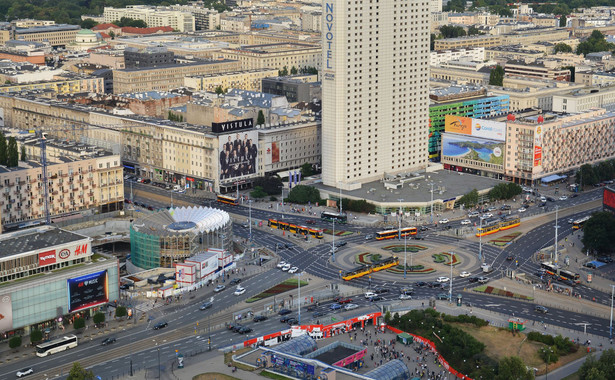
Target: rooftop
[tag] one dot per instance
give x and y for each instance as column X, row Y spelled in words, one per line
column 47, row 29
column 14, row 243
column 198, row 63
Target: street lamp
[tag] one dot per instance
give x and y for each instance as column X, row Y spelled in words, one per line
column 250, row 208
column 611, row 324
column 431, row 204
column 480, row 241
column 450, row 289
column 158, row 348
column 555, row 258
column 299, row 298
column 340, row 186
column 333, row 242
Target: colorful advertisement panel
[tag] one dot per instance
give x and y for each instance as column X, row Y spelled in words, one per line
column 6, row 312
column 47, row 258
column 474, row 149
column 538, row 146
column 88, row 291
column 238, row 155
column 275, row 152
column 608, row 199
column 486, row 129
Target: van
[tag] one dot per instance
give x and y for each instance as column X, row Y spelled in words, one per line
column 543, row 199
column 177, row 188
column 486, row 268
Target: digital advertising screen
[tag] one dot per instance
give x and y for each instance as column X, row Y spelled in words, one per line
column 238, row 154
column 87, row 291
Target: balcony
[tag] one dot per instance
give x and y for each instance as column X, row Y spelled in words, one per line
column 64, row 191
column 34, row 180
column 55, row 193
column 22, row 182
column 93, row 185
column 86, row 187
column 65, row 175
column 90, row 194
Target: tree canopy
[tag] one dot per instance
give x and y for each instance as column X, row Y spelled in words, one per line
column 271, row 185
column 513, row 368
column 450, row 31
column 599, row 233
column 302, row 194
column 127, row 21
column 79, row 373
column 603, row 368
column 589, row 175
column 496, row 77
column 470, row 199
column 595, row 43
column 505, row 191
column 562, row 47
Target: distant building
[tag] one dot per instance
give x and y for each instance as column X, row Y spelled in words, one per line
column 244, row 80
column 535, row 70
column 584, row 99
column 58, row 35
column 152, row 16
column 439, row 57
column 294, row 89
column 467, row 42
column 148, row 57
column 276, row 56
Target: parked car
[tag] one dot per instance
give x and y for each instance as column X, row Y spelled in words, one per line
column 351, row 306
column 286, row 267
column 293, row 270
column 108, row 341
column 487, row 215
column 219, row 288
column 541, row 309
column 492, row 208
column 281, row 264
column 284, row 311
column 473, row 214
column 505, row 207
column 160, row 325
column 25, row 372
column 590, row 265
column 259, row 318
column 206, row 305
column 605, row 259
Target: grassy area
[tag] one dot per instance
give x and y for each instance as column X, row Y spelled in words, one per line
column 294, row 282
column 501, row 292
column 272, row 375
column 214, row 376
column 98, row 256
column 290, row 284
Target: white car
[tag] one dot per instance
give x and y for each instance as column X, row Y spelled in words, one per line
column 443, row 221
column 522, row 209
column 466, row 222
column 405, row 297
column 563, row 198
column 443, row 279
column 281, row 264
column 239, row 291
column 464, row 274
column 293, row 270
column 473, row 214
column 487, row 215
column 369, row 295
column 24, row 372
column 286, row 267
column 219, row 288
column 492, row 208
column 351, row 306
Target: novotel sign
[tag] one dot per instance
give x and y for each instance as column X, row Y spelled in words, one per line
column 329, row 36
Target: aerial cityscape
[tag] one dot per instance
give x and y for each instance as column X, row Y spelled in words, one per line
column 374, row 189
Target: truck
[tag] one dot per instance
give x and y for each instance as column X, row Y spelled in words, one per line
column 486, row 268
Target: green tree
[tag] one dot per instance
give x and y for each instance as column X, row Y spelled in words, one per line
column 563, row 21
column 302, row 194
column 112, row 34
column 594, row 43
column 455, row 6
column 12, row 153
column 450, row 31
column 120, row 312
column 260, row 119
column 432, row 41
column 24, row 155
column 283, row 72
column 79, row 373
column 272, row 185
column 127, row 21
column 293, row 70
column 3, row 150
column 562, row 47
column 88, row 23
column 36, row 336
column 572, row 72
column 585, row 175
column 99, row 318
column 599, row 232
column 219, row 90
column 548, row 354
column 309, row 70
column 496, row 77
column 306, row 170
column 15, row 342
column 258, row 192
column 470, row 199
column 79, row 323
column 472, row 30
column 513, row 368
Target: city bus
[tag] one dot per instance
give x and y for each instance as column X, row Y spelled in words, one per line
column 393, row 234
column 295, row 229
column 333, row 216
column 492, row 226
column 57, row 345
column 561, row 274
column 578, row 224
column 228, row 200
column 367, row 269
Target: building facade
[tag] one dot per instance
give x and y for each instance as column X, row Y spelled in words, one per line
column 149, row 57
column 443, row 56
column 153, row 17
column 375, row 70
column 59, row 35
column 467, row 42
column 584, row 99
column 295, row 90
column 246, row 80
column 276, row 56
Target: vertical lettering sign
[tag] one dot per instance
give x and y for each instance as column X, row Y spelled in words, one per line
column 328, row 42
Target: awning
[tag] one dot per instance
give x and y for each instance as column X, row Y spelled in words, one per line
column 552, row 178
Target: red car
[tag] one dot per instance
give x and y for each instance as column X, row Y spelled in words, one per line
column 342, row 300
column 310, row 221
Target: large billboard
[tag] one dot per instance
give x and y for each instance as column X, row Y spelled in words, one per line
column 65, row 254
column 487, row 129
column 88, row 291
column 538, row 146
column 232, row 126
column 238, row 155
column 608, row 199
column 6, row 312
column 472, row 148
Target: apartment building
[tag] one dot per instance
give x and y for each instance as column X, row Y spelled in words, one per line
column 512, row 52
column 536, row 70
column 77, row 182
column 540, row 145
column 69, row 85
column 153, row 17
column 204, row 18
column 460, row 75
column 467, row 42
column 165, row 78
column 311, row 21
column 276, row 56
column 245, row 80
column 58, row 35
column 534, row 35
column 584, row 99
column 439, row 57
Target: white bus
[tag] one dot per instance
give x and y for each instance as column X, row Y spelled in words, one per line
column 57, row 345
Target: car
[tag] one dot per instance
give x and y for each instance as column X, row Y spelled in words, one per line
column 551, row 199
column 464, row 274
column 244, row 330
column 369, row 237
column 420, row 284
column 318, row 314
column 443, row 279
column 239, row 291
column 236, row 327
column 543, row 199
column 541, row 309
column 343, row 300
column 590, row 265
column 563, row 198
column 466, row 222
column 510, row 257
column 108, row 341
column 443, row 221
column 375, row 298
column 235, row 281
column 483, row 280
column 473, row 214
column 25, row 372
column 405, row 297
column 292, row 321
column 442, row 296
column 259, row 318
column 284, row 311
column 487, row 215
column 219, row 288
column 139, row 179
column 436, row 284
column 492, row 208
column 293, row 270
column 160, row 325
column 311, row 307
column 289, row 245
column 381, row 290
column 233, row 326
column 285, row 318
column 406, row 290
column 341, row 243
column 605, row 259
column 369, row 295
column 351, row 306
column 505, row 207
column 418, row 237
column 281, row 264
column 473, row 279
column 206, row 305
column 334, row 249
column 245, row 225
column 423, row 228
column 542, row 204
column 286, row 267
column 574, row 195
column 522, row 209
column 151, row 208
column 335, row 306
column 310, row 221
column 570, row 221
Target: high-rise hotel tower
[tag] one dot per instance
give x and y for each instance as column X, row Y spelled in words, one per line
column 375, row 89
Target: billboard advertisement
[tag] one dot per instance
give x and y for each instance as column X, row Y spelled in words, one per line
column 474, row 149
column 87, row 291
column 238, row 154
column 46, row 258
column 232, row 126
column 608, row 199
column 538, row 146
column 6, row 312
column 486, row 129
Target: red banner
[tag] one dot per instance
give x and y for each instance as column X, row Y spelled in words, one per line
column 47, row 258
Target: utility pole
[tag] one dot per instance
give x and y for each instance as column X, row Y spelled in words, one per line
column 250, row 204
column 431, row 204
column 611, row 324
column 340, row 185
column 450, row 289
column 333, row 243
column 480, row 241
column 555, row 258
